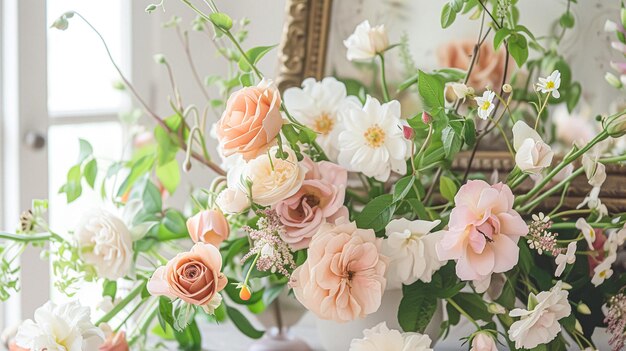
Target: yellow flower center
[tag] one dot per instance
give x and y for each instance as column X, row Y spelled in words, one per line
column 486, row 105
column 374, row 136
column 323, row 124
column 550, row 85
column 592, row 234
column 602, row 274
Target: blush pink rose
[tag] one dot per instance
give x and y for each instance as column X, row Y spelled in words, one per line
column 343, row 277
column 251, row 120
column 208, row 226
column 115, row 342
column 194, row 277
column 483, row 231
column 13, row 347
column 319, row 200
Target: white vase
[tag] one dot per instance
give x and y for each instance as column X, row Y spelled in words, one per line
column 337, row 336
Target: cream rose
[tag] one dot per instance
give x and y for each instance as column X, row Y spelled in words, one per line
column 273, row 179
column 366, row 42
column 532, row 154
column 105, row 242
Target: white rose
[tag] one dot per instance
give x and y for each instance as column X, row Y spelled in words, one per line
column 105, row 242
column 532, row 154
column 594, row 170
column 273, row 179
column 411, row 250
column 60, row 327
column 540, row 324
column 232, row 200
column 366, row 42
column 381, row 338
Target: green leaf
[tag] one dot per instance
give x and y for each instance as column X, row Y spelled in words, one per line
column 246, row 79
column 469, row 132
column 189, row 339
column 518, row 48
column 402, row 187
column 90, row 172
column 137, row 170
column 454, row 316
column 567, row 20
column 447, row 188
column 431, row 89
column 572, row 98
column 501, row 35
column 85, row 150
column 240, row 321
column 254, row 55
column 416, row 307
column 151, row 198
column 175, row 222
column 452, row 142
column 474, row 305
column 109, row 288
column 377, row 213
column 448, row 15
column 169, row 175
column 72, row 188
column 165, row 312
column 221, row 20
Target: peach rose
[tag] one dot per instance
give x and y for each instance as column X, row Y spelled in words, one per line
column 115, row 342
column 343, row 277
column 320, row 199
column 194, row 277
column 251, row 120
column 208, row 226
column 488, row 69
column 13, row 347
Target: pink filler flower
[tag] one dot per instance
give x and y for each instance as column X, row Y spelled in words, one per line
column 319, row 200
column 483, row 231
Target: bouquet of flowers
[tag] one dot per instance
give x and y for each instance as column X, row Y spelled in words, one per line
column 328, row 192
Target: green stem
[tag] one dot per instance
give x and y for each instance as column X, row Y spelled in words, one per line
column 571, row 225
column 567, row 160
column 120, row 306
column 135, row 309
column 571, row 212
column 383, row 78
column 462, row 311
column 543, row 106
column 27, row 238
column 552, row 190
column 245, row 282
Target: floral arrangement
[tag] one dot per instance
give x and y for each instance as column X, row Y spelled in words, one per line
column 327, row 191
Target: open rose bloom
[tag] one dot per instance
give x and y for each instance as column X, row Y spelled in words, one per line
column 483, row 231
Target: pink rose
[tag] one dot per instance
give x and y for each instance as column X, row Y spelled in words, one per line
column 343, row 277
column 488, row 69
column 319, row 200
column 115, row 342
column 483, row 231
column 194, row 277
column 484, row 341
column 251, row 120
column 208, row 226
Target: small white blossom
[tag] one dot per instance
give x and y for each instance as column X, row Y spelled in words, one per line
column 562, row 260
column 381, row 338
column 603, row 271
column 485, row 104
column 550, row 84
column 366, row 42
column 588, row 232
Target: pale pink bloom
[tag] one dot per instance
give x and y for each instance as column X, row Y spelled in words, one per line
column 208, row 226
column 484, row 342
column 343, row 277
column 319, row 200
column 483, row 231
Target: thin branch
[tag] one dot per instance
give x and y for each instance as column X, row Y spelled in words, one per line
column 184, row 39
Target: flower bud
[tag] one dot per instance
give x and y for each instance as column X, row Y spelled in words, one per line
column 60, row 23
column 610, row 26
column 578, row 327
column 566, row 286
column 583, row 309
column 613, row 80
column 426, row 118
column 245, row 293
column 159, row 58
column 150, row 8
column 615, row 125
column 507, row 88
column 495, row 308
column 408, row 132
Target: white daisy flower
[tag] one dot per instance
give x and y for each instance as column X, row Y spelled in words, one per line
column 603, row 271
column 587, row 231
column 485, row 104
column 550, row 84
column 562, row 260
column 372, row 141
column 317, row 104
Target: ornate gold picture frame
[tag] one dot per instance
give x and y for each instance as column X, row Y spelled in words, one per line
column 303, row 52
